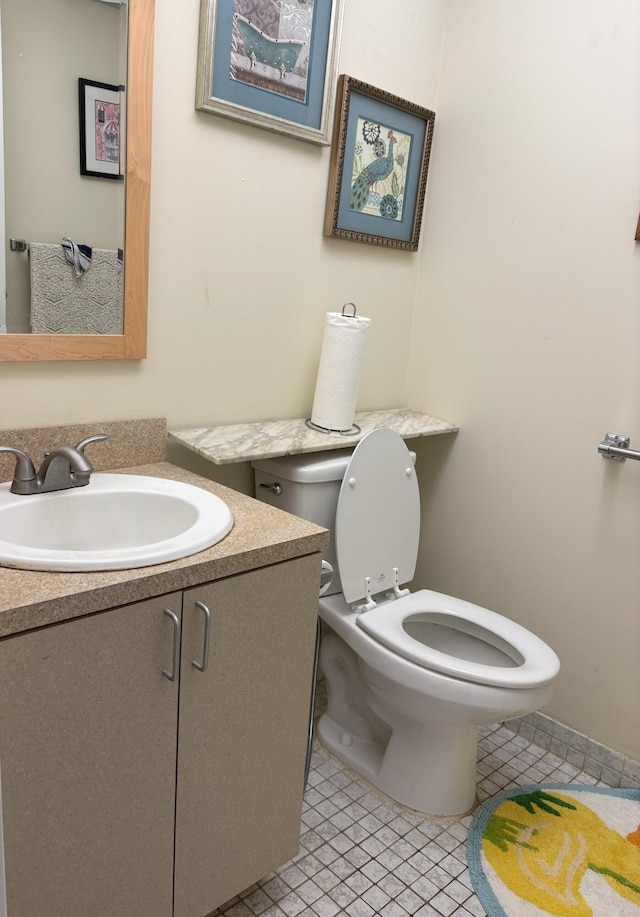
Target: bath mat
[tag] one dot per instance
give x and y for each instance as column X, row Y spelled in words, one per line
column 562, row 849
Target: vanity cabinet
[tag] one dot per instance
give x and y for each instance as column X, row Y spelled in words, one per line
column 125, row 794
column 87, row 765
column 243, row 731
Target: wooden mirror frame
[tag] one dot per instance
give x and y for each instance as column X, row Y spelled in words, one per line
column 132, row 344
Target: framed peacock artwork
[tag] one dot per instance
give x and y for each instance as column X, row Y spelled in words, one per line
column 379, row 166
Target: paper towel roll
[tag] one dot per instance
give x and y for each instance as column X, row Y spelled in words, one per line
column 334, row 402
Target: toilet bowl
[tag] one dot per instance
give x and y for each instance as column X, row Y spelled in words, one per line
column 410, row 676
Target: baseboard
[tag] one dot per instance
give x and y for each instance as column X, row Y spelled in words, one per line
column 600, row 762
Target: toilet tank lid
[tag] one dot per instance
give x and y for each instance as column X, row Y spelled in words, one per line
column 307, row 468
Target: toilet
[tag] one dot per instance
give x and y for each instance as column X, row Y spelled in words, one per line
column 410, row 675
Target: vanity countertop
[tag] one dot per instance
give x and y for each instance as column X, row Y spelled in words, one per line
column 261, row 535
column 246, row 442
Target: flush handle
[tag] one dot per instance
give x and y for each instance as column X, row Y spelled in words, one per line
column 274, row 488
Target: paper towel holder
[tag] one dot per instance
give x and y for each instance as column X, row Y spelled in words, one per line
column 352, row 431
column 354, row 428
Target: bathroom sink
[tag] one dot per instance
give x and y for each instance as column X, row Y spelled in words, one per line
column 116, row 522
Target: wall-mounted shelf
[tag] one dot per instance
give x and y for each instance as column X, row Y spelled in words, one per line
column 245, row 442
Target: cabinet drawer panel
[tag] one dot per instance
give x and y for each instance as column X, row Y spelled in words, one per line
column 87, row 765
column 243, row 730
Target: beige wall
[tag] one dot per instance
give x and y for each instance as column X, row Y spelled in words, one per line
column 527, row 334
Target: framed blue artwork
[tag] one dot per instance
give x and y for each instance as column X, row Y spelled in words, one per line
column 271, row 64
column 379, row 166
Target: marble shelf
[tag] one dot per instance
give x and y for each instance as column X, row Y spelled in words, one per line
column 247, row 442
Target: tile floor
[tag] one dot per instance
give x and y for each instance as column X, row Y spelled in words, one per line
column 361, row 854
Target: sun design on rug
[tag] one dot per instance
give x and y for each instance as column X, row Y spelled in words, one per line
column 541, row 846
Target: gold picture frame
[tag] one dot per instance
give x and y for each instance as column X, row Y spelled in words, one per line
column 379, row 167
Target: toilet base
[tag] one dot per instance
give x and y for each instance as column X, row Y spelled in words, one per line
column 432, row 770
column 363, row 755
column 419, row 752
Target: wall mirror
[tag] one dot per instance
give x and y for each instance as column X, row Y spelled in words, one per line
column 54, row 186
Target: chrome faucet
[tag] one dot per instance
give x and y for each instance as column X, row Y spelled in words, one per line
column 62, row 468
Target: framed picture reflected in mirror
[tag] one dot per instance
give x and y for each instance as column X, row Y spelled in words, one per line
column 100, row 129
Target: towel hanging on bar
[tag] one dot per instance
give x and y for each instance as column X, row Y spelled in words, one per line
column 62, row 303
column 77, row 255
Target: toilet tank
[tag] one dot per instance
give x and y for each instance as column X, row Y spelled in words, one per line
column 307, row 486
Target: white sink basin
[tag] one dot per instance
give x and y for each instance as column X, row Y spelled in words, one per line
column 116, row 522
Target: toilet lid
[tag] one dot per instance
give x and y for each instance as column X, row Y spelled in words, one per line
column 378, row 516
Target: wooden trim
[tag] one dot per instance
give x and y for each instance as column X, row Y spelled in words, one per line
column 28, row 348
column 138, row 198
column 132, row 345
column 638, row 231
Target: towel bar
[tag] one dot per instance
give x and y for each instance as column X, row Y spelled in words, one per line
column 616, row 446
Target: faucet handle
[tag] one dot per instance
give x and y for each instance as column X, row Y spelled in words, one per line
column 96, row 438
column 24, row 473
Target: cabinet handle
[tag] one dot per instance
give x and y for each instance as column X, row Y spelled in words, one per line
column 173, row 675
column 202, row 667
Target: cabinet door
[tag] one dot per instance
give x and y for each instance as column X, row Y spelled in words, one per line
column 243, row 730
column 87, row 765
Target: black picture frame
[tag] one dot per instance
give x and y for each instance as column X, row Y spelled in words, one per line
column 100, row 107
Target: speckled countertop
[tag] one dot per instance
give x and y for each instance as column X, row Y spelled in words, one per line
column 270, row 439
column 261, row 535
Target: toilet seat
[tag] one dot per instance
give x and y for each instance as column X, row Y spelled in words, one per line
column 506, row 654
